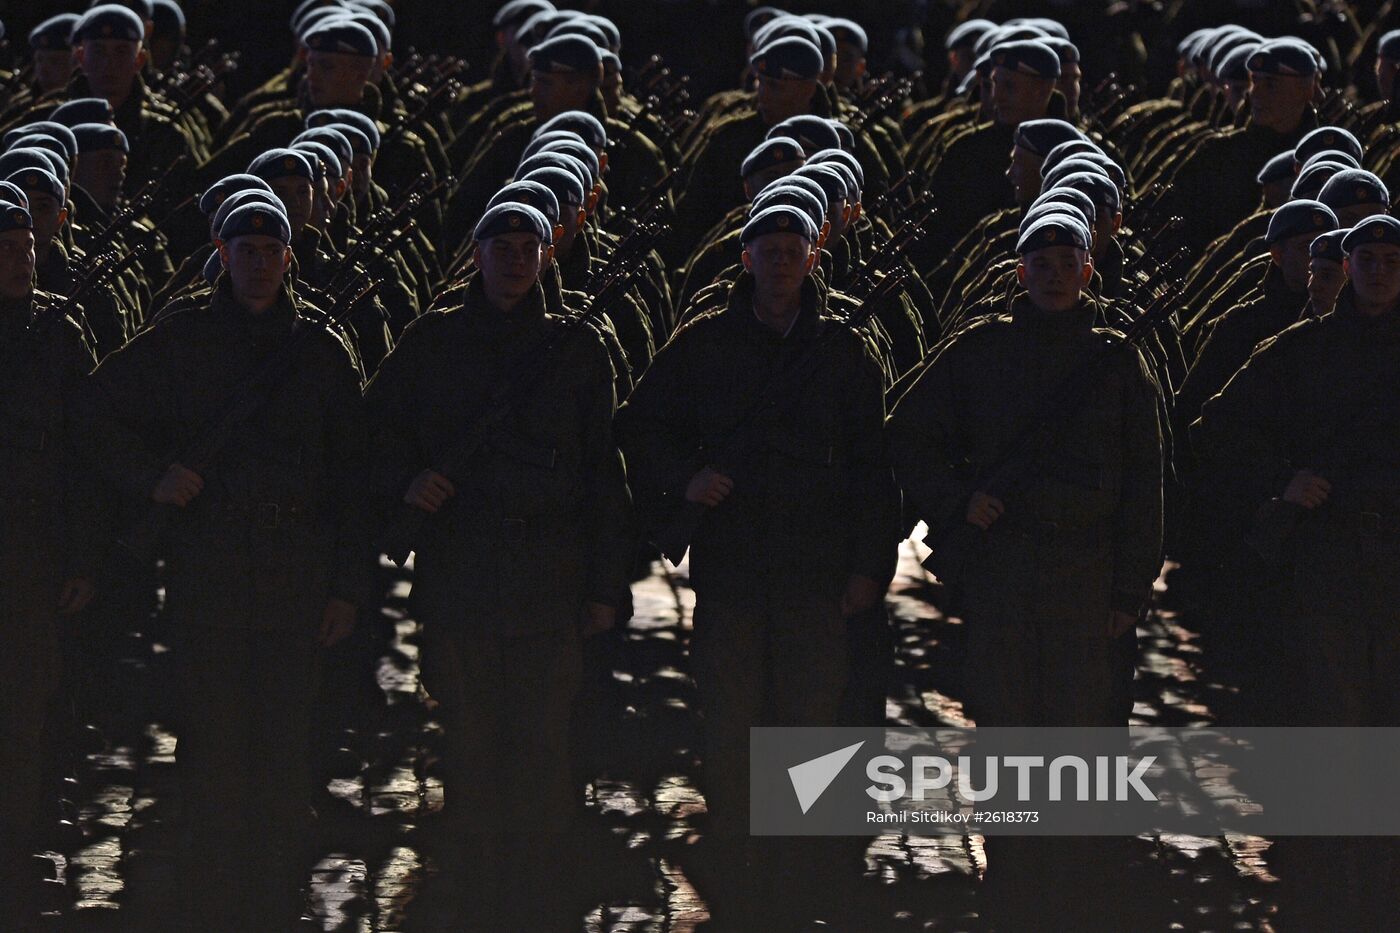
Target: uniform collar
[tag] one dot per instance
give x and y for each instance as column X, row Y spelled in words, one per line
column 809, row 321
column 1054, row 324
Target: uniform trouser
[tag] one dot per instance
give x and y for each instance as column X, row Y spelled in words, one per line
column 29, row 670
column 777, row 660
column 244, row 732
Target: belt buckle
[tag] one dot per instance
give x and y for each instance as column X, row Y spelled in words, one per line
column 267, row 515
column 1370, row 523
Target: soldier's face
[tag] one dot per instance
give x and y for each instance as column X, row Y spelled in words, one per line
column 52, row 69
column 1068, row 85
column 101, row 174
column 1291, row 257
column 552, row 93
column 510, row 264
column 1325, row 281
column 1024, row 174
column 1353, row 215
column 16, row 264
column 1385, row 76
column 1018, row 97
column 1278, row 101
column 1054, row 276
column 779, row 261
column 1374, row 269
column 48, row 213
column 256, row 265
column 850, row 64
column 296, row 196
column 335, row 79
column 776, row 99
column 612, row 89
column 762, row 178
column 959, row 63
column 110, row 65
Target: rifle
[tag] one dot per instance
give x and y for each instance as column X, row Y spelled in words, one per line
column 406, row 526
column 953, row 540
column 256, row 390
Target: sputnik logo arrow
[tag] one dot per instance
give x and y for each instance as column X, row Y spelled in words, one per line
column 811, row 778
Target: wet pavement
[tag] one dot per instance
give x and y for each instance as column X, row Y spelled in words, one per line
column 644, row 812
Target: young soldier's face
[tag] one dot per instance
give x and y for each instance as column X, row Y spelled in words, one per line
column 1278, row 101
column 52, row 68
column 1024, row 175
column 776, row 99
column 1325, row 281
column 511, row 263
column 110, row 65
column 296, row 195
column 1018, row 97
column 16, row 264
column 1068, row 84
column 1291, row 257
column 779, row 261
column 1054, row 276
column 337, row 79
column 554, row 93
column 101, row 174
column 49, row 214
column 1375, row 272
column 256, row 265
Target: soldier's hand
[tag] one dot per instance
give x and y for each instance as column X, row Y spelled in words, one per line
column 861, row 593
column 337, row 622
column 596, row 618
column 74, row 595
column 428, row 491
column 178, row 486
column 983, row 510
column 1120, row 622
column 1307, row 489
column 709, row 487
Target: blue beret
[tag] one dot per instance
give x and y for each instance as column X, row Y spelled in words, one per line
column 582, row 124
column 1286, row 56
column 1083, row 162
column 533, row 29
column 219, row 191
column 1389, row 46
column 812, row 133
column 1001, row 34
column 562, row 183
column 14, row 194
column 1381, row 228
column 539, row 141
column 517, row 12
column 324, row 159
column 256, row 220
column 109, row 21
column 784, row 27
column 168, row 18
column 965, row 35
column 1070, row 196
column 781, row 192
column 14, row 217
column 1048, row 208
column 1185, row 47
column 58, row 131
column 16, row 159
column 775, row 150
column 579, row 150
column 142, row 8
column 1324, row 138
column 511, row 217
column 559, row 160
column 1053, row 230
column 842, row 157
column 1227, row 44
column 337, row 141
column 41, row 141
column 360, row 144
column 1026, row 56
column 1351, row 187
column 808, row 185
column 848, row 138
column 52, row 35
column 1067, row 50
column 1051, row 27
column 791, row 58
column 848, row 31
column 579, row 26
column 83, row 110
column 340, row 35
column 1105, row 194
column 382, row 11
column 240, row 199
column 832, row 184
column 1065, row 151
column 1279, row 168
column 826, row 40
column 1231, row 65
column 337, row 115
column 383, row 38
column 566, row 55
column 759, row 17
column 611, row 63
column 282, row 163
column 533, row 193
column 1310, row 180
column 212, row 267
column 1330, row 155
column 38, row 179
column 1040, row 136
column 610, row 30
column 95, row 137
column 848, row 177
column 780, row 218
column 1329, row 245
column 316, row 17
column 1300, row 217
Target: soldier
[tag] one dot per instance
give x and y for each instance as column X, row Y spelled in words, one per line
column 547, row 487
column 270, row 557
column 49, row 546
column 791, row 546
column 53, row 53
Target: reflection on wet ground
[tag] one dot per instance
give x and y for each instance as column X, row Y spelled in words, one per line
column 645, row 812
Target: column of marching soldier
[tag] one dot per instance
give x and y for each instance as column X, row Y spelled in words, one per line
column 369, row 308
